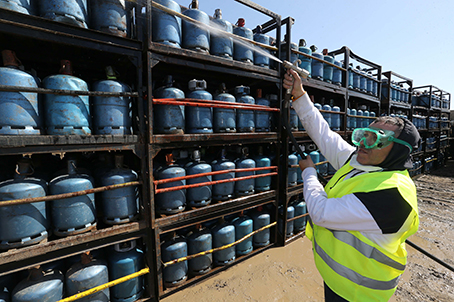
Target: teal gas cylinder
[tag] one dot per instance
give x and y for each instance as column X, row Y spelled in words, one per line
column 241, row 51
column 292, row 176
column 172, row 248
column 261, row 218
column 262, row 183
column 300, row 209
column 198, row 196
column 221, row 45
column 126, row 259
column 293, row 55
column 23, row 224
column 244, row 187
column 72, row 12
column 290, row 224
column 350, row 76
column 20, row 112
column 27, row 7
column 85, row 275
column 111, row 16
column 200, row 240
column 245, row 120
column 119, row 205
column 293, row 121
column 66, row 114
column 262, row 118
column 328, row 69
column 73, row 215
column 174, row 201
column 362, row 80
column 315, row 156
column 366, row 121
column 199, row 120
column 327, row 115
column 353, row 121
column 43, row 286
column 243, row 226
column 224, row 119
column 356, row 78
column 337, row 73
column 305, row 61
column 261, row 59
column 112, row 115
column 335, row 119
column 196, row 37
column 223, row 234
column 166, row 28
column 369, row 83
column 317, row 66
column 223, row 191
column 168, row 119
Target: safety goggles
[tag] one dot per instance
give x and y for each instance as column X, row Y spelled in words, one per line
column 375, row 138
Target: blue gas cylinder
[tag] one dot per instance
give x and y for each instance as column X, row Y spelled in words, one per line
column 66, row 114
column 327, row 115
column 260, row 57
column 241, row 51
column 174, row 248
column 111, row 16
column 73, row 215
column 359, row 120
column 398, row 93
column 224, row 119
column 85, row 275
column 19, row 111
column 335, row 119
column 196, row 37
column 290, row 224
column 261, row 218
column 323, row 168
column 221, row 45
column 300, row 209
column 305, row 61
column 292, row 176
column 328, row 69
column 199, row 119
column 174, row 201
column 168, row 119
column 111, row 114
column 293, row 55
column 200, row 240
column 125, row 259
column 244, row 187
column 318, row 106
column 166, row 28
column 245, row 121
column 293, row 121
column 262, row 118
column 337, row 73
column 375, row 87
column 369, row 83
column 362, row 80
column 262, row 183
column 366, row 121
column 22, row 6
column 349, row 119
column 223, row 191
column 23, row 224
column 243, row 226
column 350, row 76
column 353, row 121
column 317, row 66
column 393, row 92
column 315, row 156
column 223, row 234
column 198, row 196
column 72, row 12
column 119, row 205
column 356, row 78
column 39, row 286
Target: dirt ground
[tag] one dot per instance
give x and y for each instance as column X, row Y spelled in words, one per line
column 289, row 274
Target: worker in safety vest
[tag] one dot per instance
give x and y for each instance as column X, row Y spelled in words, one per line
column 360, row 220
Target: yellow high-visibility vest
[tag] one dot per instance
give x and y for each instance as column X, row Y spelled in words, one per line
column 351, row 265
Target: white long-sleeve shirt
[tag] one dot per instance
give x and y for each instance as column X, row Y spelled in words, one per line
column 348, row 212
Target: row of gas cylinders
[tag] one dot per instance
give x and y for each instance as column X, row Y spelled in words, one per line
column 64, row 278
column 362, row 80
column 419, row 120
column 176, row 201
column 332, row 118
column 428, row 100
column 211, row 37
column 430, row 143
column 211, row 235
column 111, row 16
column 398, row 92
column 358, row 118
column 417, row 168
column 429, row 163
column 31, row 223
column 178, row 119
column 26, row 113
column 296, row 207
column 443, row 140
column 321, row 69
column 433, row 122
column 294, row 174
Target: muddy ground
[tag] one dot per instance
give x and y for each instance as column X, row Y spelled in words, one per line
column 289, row 274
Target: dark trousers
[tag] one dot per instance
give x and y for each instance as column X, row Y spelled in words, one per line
column 331, row 296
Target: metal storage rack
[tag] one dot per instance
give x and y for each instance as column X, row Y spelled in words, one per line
column 40, row 44
column 390, row 106
column 184, row 65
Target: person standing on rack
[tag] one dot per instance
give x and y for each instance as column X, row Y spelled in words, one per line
column 359, row 222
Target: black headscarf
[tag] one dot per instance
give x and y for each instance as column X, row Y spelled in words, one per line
column 399, row 157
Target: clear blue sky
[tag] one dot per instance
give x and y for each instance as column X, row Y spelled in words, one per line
column 414, row 38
